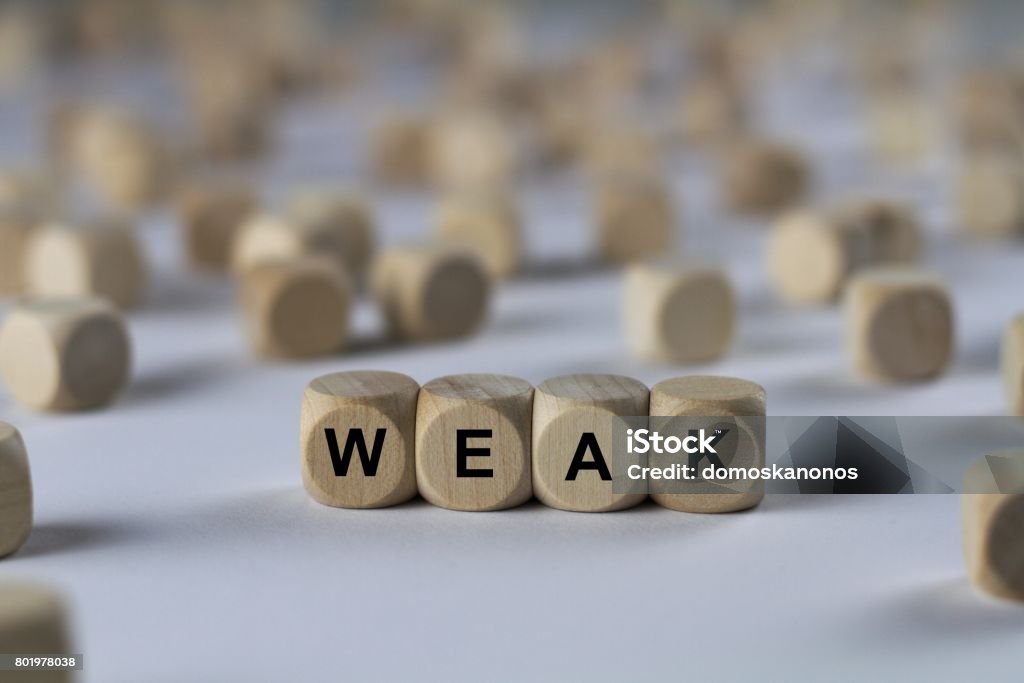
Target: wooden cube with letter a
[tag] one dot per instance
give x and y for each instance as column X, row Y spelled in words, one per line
column 572, row 440
column 357, row 439
column 473, row 442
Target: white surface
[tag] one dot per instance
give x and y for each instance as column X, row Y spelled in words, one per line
column 177, row 524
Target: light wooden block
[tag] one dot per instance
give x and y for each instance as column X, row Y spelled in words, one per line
column 33, row 620
column 473, row 442
column 903, row 127
column 488, row 224
column 65, row 354
column 899, row 324
column 211, row 214
column 120, row 156
column 811, row 255
column 712, row 111
column 101, row 258
column 401, row 150
column 572, row 440
column 335, row 227
column 678, row 312
column 1013, row 365
column 16, row 490
column 297, row 309
column 990, row 196
column 992, row 513
column 712, row 396
column 616, row 150
column 472, row 151
column 338, row 224
column 431, row 292
column 763, row 177
column 358, row 432
column 635, row 219
column 15, row 228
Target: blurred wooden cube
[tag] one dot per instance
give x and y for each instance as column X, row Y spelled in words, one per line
column 990, row 195
column 678, row 312
column 899, row 324
column 297, row 308
column 992, row 513
column 636, row 219
column 65, row 354
column 431, row 292
column 489, row 224
column 16, row 483
column 97, row 258
column 33, row 620
column 763, row 177
column 211, row 215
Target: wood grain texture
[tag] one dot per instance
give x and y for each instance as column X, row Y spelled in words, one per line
column 711, row 397
column 990, row 196
column 992, row 515
column 337, row 224
column 489, row 224
column 15, row 491
column 65, row 354
column 811, row 254
column 211, row 214
column 567, row 409
column 1012, row 365
column 431, row 292
column 635, row 219
column 899, row 324
column 678, row 312
column 33, row 620
column 476, row 405
column 367, row 401
column 100, row 258
column 297, row 309
column 763, row 177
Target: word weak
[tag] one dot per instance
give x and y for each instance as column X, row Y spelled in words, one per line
column 489, row 442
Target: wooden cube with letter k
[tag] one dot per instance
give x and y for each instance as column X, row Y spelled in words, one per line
column 357, row 439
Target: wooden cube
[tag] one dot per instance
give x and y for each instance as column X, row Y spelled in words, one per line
column 712, row 111
column 401, row 150
column 65, row 354
column 992, row 512
column 763, row 177
column 903, row 127
column 572, row 440
column 431, row 292
column 211, row 214
column 678, row 312
column 1013, row 365
column 616, row 150
column 334, row 227
column 899, row 324
column 635, row 219
column 120, row 156
column 297, row 309
column 473, row 442
column 990, row 196
column 811, row 255
column 15, row 228
column 33, row 620
column 335, row 223
column 100, row 258
column 471, row 151
column 488, row 224
column 16, row 485
column 713, row 397
column 358, row 432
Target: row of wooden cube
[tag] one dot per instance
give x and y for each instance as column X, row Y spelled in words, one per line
column 489, row 442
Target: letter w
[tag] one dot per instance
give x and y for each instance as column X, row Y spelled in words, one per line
column 356, row 439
